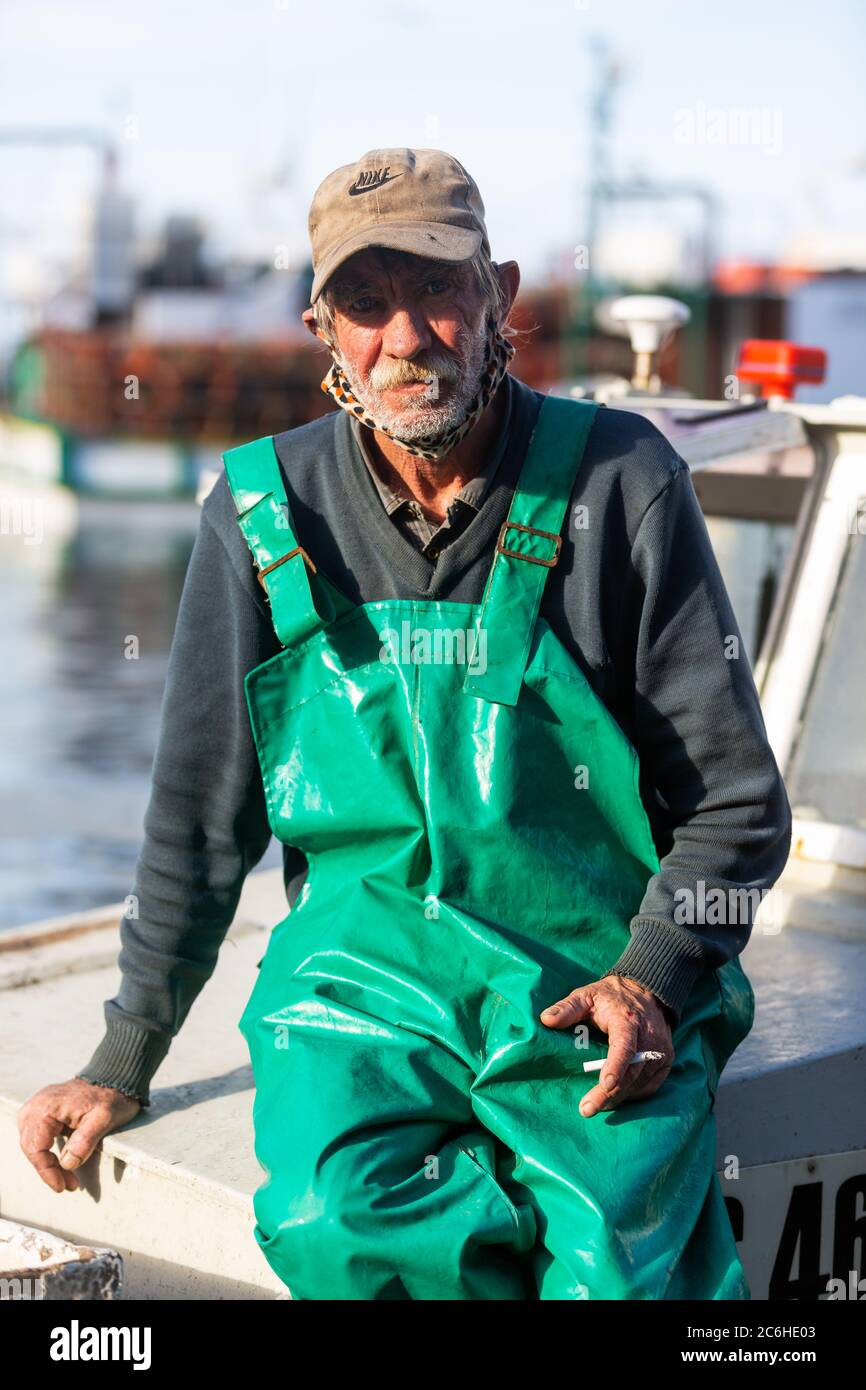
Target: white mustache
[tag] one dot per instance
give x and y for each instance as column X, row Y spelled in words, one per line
column 439, row 368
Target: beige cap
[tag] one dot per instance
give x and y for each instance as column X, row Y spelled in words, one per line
column 422, row 201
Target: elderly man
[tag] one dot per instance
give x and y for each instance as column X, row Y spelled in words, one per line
column 465, row 650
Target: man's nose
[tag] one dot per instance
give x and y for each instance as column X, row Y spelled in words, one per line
column 406, row 333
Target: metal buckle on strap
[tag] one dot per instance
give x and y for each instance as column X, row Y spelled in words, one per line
column 298, row 550
column 518, row 554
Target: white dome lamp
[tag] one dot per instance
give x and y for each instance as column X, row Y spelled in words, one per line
column 649, row 320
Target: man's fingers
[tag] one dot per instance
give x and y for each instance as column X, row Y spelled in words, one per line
column 81, row 1112
column 652, row 1078
column 48, row 1167
column 622, row 1034
column 602, row 1098
column 642, row 1080
column 40, row 1127
column 38, row 1133
column 566, row 1012
column 83, row 1140
column 625, row 1089
column 614, row 1083
column 632, row 1026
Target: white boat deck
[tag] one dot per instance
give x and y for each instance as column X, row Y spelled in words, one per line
column 185, row 1230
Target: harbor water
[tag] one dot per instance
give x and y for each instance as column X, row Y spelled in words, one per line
column 90, row 596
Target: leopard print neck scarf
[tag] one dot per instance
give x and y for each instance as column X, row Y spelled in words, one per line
column 497, row 354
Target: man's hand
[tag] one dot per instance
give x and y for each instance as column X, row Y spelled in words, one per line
column 634, row 1021
column 89, row 1112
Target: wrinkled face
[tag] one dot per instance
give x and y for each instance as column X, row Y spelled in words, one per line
column 410, row 337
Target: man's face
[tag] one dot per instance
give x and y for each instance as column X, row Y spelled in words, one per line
column 410, row 337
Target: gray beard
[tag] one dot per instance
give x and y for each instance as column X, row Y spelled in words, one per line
column 425, row 419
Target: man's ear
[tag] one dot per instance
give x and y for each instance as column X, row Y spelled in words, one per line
column 508, row 274
column 309, row 318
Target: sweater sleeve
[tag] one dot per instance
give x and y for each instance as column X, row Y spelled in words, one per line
column 206, row 822
column 703, row 751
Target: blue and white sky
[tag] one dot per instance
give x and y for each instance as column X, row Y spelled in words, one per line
column 238, row 110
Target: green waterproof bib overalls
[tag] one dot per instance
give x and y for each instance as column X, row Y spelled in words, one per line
column 476, row 844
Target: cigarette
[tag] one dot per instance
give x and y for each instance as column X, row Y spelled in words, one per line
column 638, row 1057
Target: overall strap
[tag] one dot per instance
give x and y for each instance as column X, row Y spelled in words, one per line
column 256, row 484
column 528, row 547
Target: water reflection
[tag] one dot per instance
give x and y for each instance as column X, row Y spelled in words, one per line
column 80, row 719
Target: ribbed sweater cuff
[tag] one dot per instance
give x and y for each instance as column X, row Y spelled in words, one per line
column 127, row 1058
column 664, row 959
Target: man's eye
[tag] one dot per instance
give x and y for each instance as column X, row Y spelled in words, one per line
column 438, row 286
column 363, row 304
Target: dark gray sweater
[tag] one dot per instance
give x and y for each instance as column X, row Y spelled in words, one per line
column 636, row 598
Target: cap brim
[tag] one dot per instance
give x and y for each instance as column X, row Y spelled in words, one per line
column 437, row 240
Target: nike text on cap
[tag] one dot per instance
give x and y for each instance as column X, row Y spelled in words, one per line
column 422, row 201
